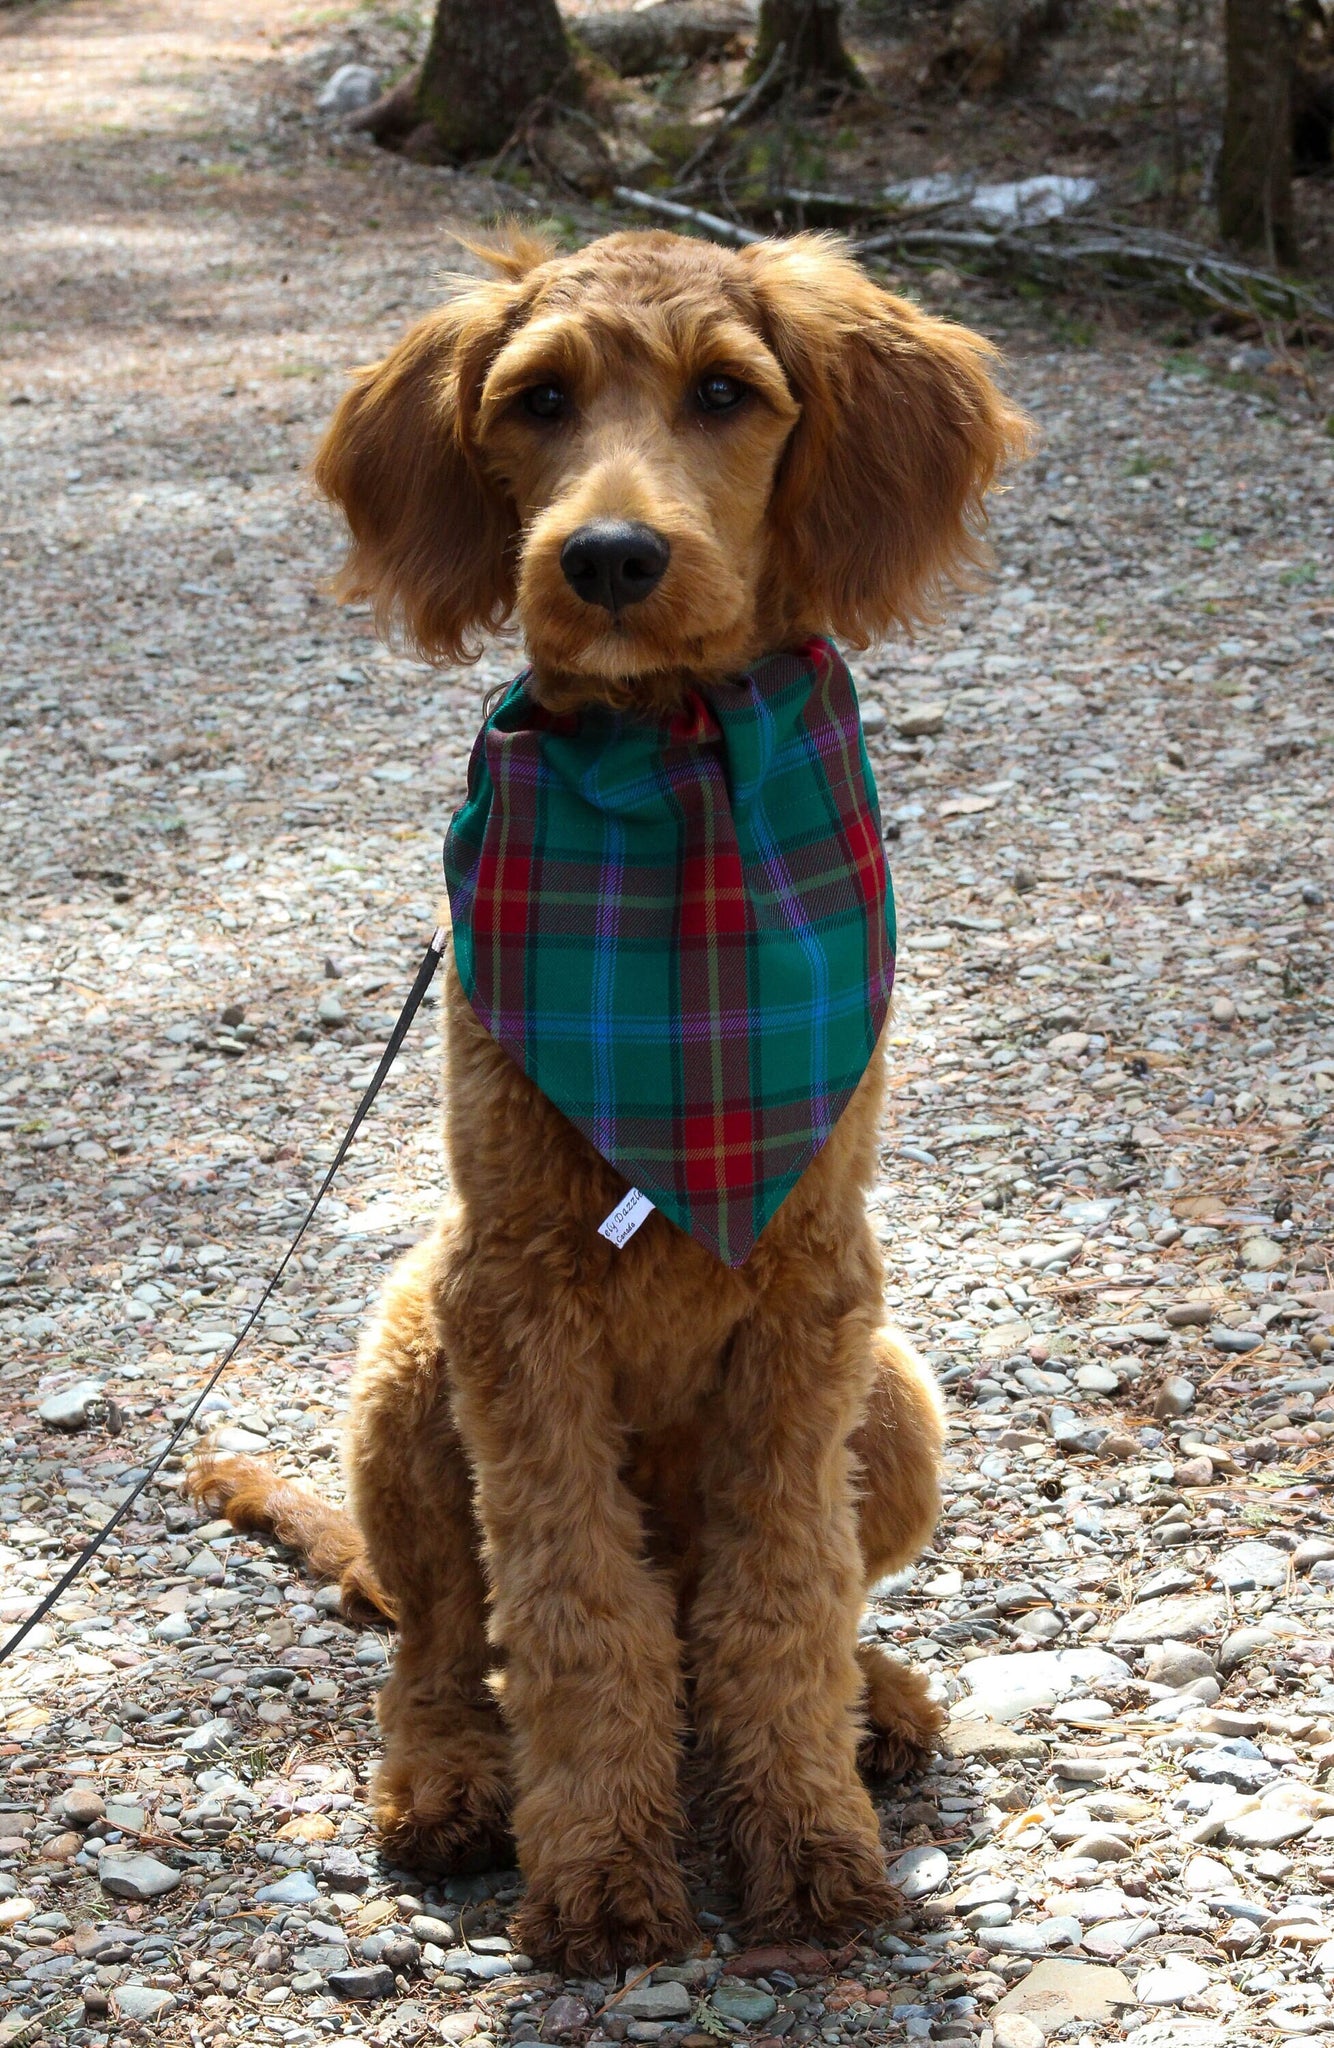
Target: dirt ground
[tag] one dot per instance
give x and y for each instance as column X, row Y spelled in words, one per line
column 1105, row 1198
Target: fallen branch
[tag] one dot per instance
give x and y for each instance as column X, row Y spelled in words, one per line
column 671, row 209
column 1050, row 250
column 637, row 41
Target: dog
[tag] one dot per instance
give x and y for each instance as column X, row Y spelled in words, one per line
column 608, row 1492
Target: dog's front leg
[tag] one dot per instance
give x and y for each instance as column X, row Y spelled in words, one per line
column 588, row 1634
column 773, row 1629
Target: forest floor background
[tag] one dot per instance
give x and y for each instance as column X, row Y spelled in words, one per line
column 1105, row 1197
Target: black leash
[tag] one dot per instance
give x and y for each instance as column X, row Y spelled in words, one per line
column 425, row 975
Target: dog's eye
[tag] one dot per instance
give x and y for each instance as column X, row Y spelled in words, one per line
column 544, row 401
column 718, row 392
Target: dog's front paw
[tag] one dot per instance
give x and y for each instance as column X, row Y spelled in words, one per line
column 903, row 1722
column 585, row 1919
column 448, row 1807
column 803, row 1879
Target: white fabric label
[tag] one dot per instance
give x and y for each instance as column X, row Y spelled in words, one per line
column 625, row 1218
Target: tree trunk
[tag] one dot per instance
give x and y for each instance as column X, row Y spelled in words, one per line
column 813, row 52
column 1255, row 167
column 486, row 62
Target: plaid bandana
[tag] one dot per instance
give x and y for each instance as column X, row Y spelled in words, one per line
column 683, row 932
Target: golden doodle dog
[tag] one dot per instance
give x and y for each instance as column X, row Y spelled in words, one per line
column 610, row 1489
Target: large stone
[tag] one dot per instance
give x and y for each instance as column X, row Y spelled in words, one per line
column 743, row 2002
column 1016, row 2030
column 209, row 1738
column 990, row 1742
column 655, row 2002
column 363, row 1984
column 135, row 1876
column 1177, row 1664
column 918, row 1872
column 1251, row 1565
column 298, row 1888
column 1243, row 1644
column 1055, row 1993
column 1181, row 1615
column 1172, row 1982
column 1007, row 1687
column 141, row 2002
column 68, row 1409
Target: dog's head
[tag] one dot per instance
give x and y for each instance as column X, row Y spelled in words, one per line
column 668, row 457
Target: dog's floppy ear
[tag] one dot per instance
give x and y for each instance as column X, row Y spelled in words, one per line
column 432, row 536
column 878, row 500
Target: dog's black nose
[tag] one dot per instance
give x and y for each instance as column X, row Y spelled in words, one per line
column 614, row 562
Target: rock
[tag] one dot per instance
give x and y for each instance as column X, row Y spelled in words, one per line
column 564, row 2016
column 1171, row 1982
column 1006, row 1687
column 296, row 1889
column 1223, row 1767
column 69, row 1408
column 472, row 1962
column 1242, row 1645
column 1204, row 1874
column 345, row 1871
column 173, row 1628
column 1261, row 1254
column 347, row 91
column 320, row 1958
column 1194, row 1472
column 425, row 1927
column 242, row 1443
column 1113, row 1938
column 1264, row 1827
column 1181, row 1616
column 920, row 721
column 1177, row 1664
column 81, row 1806
column 12, row 1911
column 918, row 1872
column 1016, row 2030
column 61, row 1847
column 1250, row 1564
column 1224, row 1339
column 1223, row 1011
column 990, row 1741
column 1017, row 1938
column 330, row 1011
column 141, row 2002
column 1185, row 1315
column 1096, row 1379
column 1056, row 1993
column 1147, row 1333
column 655, row 2002
column 1176, row 1396
column 401, row 1951
column 743, row 2002
column 363, row 1984
column 134, row 1876
column 1099, row 1846
column 1312, row 1550
column 209, row 1738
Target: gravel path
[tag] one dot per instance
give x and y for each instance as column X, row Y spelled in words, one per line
column 1106, row 1190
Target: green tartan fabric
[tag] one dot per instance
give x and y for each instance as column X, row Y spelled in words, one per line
column 683, row 931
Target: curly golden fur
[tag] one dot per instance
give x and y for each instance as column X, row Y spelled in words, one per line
column 606, row 1492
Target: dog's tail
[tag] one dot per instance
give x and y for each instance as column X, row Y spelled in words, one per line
column 254, row 1499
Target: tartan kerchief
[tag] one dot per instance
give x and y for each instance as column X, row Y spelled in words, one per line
column 683, row 931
